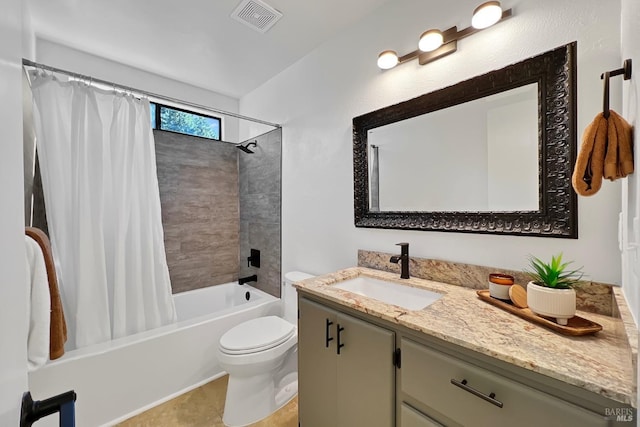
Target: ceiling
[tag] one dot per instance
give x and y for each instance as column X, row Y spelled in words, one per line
column 195, row 41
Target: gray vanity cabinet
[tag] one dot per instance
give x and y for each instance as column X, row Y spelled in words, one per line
column 347, row 378
column 345, row 370
column 454, row 392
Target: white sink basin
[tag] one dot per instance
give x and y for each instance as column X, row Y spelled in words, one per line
column 390, row 292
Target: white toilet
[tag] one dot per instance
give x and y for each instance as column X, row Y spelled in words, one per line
column 261, row 358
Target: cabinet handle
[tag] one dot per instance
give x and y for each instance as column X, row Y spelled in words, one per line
column 463, row 385
column 340, row 345
column 326, row 333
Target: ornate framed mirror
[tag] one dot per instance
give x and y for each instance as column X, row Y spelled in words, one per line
column 492, row 154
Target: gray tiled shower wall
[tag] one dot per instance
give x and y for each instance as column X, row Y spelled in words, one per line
column 217, row 203
column 260, row 213
column 198, row 180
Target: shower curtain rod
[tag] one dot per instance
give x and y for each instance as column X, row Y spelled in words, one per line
column 28, row 63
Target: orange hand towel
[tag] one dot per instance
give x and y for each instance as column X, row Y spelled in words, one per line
column 588, row 171
column 618, row 161
column 58, row 326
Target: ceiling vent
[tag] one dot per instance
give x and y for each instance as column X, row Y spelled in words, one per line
column 256, row 15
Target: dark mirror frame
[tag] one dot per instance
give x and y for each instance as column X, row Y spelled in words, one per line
column 557, row 216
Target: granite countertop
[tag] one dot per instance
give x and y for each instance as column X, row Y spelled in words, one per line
column 603, row 363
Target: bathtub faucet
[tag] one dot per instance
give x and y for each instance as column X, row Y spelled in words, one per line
column 243, row 280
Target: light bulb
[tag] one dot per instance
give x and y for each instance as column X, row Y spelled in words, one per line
column 430, row 40
column 387, row 59
column 486, row 15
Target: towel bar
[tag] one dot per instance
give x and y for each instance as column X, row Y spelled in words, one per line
column 626, row 71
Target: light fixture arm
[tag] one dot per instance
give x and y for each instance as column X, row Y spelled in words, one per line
column 449, row 37
column 451, row 34
column 409, row 56
column 442, row 51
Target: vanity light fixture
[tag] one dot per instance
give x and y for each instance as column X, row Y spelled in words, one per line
column 434, row 44
column 486, row 15
column 430, row 40
column 387, row 59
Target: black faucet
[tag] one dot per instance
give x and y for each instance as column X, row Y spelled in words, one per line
column 403, row 259
column 243, row 280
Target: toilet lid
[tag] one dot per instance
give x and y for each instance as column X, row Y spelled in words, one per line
column 256, row 335
column 296, row 276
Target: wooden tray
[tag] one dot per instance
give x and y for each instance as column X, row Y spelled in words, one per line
column 576, row 325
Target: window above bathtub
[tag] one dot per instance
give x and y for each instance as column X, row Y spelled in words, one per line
column 176, row 120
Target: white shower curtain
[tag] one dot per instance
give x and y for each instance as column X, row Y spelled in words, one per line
column 98, row 167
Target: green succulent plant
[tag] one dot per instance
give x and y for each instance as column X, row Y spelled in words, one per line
column 554, row 274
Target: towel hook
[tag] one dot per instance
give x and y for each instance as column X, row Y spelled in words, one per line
column 625, row 71
column 605, row 103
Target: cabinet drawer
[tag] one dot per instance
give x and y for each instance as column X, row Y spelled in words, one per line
column 481, row 397
column 410, row 417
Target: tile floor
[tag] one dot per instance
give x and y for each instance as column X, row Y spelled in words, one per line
column 203, row 407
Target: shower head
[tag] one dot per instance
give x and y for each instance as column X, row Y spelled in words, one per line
column 246, row 148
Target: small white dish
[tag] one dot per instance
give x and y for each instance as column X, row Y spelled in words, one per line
column 499, row 285
column 499, row 291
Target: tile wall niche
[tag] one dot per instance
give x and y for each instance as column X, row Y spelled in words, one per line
column 198, row 180
column 260, row 213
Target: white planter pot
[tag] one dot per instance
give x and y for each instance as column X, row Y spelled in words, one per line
column 558, row 303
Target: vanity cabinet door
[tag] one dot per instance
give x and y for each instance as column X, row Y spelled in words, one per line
column 366, row 374
column 471, row 395
column 317, row 361
column 346, row 376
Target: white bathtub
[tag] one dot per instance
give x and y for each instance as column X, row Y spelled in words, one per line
column 124, row 377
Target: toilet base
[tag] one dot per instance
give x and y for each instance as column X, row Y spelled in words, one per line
column 255, row 392
column 251, row 399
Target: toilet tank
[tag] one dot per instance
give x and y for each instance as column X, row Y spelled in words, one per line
column 289, row 295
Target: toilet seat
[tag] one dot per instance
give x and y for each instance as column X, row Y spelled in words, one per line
column 256, row 335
